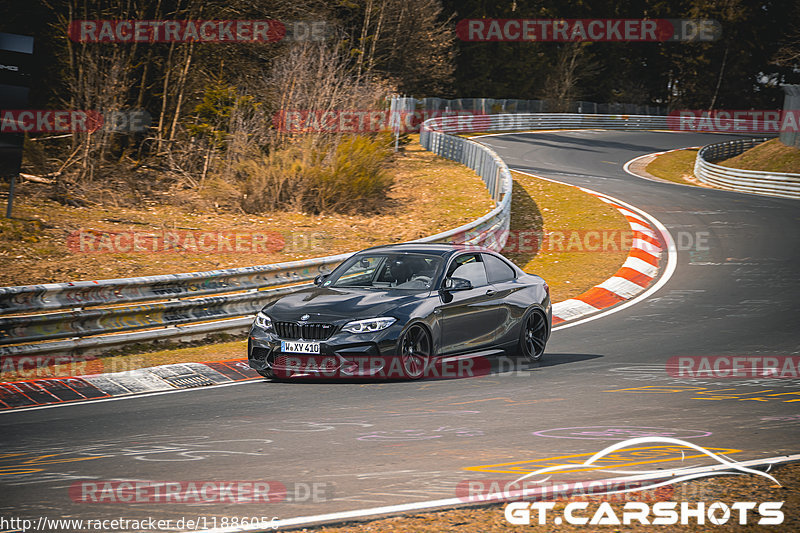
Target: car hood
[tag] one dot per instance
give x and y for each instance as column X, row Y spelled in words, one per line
column 335, row 304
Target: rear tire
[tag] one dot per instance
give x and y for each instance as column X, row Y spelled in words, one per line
column 533, row 337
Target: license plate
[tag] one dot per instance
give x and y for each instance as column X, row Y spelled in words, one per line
column 299, row 347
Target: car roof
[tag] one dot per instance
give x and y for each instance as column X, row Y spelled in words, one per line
column 443, row 249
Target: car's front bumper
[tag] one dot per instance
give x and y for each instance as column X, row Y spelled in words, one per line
column 342, row 355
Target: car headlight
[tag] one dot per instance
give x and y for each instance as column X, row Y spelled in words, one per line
column 369, row 325
column 263, row 321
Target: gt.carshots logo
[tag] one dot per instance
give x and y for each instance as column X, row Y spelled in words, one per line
column 581, row 30
column 661, row 512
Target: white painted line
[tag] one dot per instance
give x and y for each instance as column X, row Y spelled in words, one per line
column 649, row 247
column 489, row 498
column 669, row 269
column 642, row 229
column 641, row 266
column 572, row 308
column 631, row 214
column 621, row 286
column 602, row 198
column 527, row 131
column 654, row 253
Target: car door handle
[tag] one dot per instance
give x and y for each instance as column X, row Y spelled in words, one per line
column 491, row 292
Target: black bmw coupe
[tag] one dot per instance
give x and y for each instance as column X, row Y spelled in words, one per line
column 397, row 309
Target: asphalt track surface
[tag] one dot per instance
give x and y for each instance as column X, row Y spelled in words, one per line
column 373, row 444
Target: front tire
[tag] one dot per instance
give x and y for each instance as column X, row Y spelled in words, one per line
column 533, row 337
column 416, row 350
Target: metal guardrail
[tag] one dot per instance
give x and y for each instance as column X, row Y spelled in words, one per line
column 540, row 121
column 780, row 184
column 172, row 302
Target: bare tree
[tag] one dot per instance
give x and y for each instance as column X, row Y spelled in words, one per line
column 571, row 66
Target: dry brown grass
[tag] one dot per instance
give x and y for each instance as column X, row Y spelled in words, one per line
column 540, row 204
column 771, row 156
column 430, row 195
column 676, row 166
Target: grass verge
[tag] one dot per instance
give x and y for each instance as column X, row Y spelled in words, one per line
column 430, row 195
column 573, row 223
column 676, row 166
column 771, row 156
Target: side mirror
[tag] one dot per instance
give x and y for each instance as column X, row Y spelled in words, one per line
column 319, row 279
column 457, row 284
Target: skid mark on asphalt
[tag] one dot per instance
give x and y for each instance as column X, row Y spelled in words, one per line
column 156, row 448
column 622, row 459
column 645, row 372
column 25, row 463
column 706, row 394
column 513, row 402
column 420, row 434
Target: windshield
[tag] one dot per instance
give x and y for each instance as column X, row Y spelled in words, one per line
column 389, row 271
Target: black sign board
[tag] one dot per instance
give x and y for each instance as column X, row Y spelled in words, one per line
column 16, row 52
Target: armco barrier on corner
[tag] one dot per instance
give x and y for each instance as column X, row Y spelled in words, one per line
column 192, row 305
column 784, row 184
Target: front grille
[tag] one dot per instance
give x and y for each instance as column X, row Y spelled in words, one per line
column 282, row 361
column 308, row 332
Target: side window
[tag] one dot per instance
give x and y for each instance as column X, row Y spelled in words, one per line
column 469, row 267
column 497, row 270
